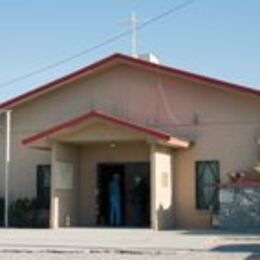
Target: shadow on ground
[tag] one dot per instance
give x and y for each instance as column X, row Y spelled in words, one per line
column 221, row 232
column 252, row 248
column 253, row 257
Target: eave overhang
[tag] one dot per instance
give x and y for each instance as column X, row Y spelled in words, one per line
column 44, row 139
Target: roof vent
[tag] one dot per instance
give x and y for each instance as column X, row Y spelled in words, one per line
column 149, row 57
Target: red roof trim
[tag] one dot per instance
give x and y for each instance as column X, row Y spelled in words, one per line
column 97, row 65
column 59, row 82
column 240, row 184
column 95, row 114
column 228, row 85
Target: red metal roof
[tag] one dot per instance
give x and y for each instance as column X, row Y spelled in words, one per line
column 94, row 114
column 121, row 57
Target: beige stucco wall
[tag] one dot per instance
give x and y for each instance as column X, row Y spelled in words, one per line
column 224, row 125
column 162, row 186
column 64, row 202
column 233, row 146
column 103, row 131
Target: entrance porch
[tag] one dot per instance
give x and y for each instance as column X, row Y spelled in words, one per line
column 88, row 150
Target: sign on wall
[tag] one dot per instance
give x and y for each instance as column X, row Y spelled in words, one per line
column 64, row 175
column 165, row 179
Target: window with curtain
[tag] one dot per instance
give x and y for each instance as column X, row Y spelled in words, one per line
column 207, row 190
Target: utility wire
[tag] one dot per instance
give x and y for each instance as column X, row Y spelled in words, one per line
column 99, row 45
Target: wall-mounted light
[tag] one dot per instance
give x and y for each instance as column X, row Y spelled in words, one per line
column 112, row 145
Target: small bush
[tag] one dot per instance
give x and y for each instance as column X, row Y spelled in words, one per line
column 25, row 213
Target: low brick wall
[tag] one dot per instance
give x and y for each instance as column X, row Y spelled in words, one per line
column 239, row 207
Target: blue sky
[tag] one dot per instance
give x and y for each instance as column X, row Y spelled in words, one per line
column 219, row 38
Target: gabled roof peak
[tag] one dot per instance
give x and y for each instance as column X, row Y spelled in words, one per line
column 112, row 60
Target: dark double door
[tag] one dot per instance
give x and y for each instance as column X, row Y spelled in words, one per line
column 134, row 182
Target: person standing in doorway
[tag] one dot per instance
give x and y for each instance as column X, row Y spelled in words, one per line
column 115, row 201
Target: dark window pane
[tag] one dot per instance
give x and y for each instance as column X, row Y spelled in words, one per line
column 207, row 179
column 43, row 186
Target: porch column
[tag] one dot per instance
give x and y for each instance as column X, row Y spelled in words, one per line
column 162, row 212
column 63, row 210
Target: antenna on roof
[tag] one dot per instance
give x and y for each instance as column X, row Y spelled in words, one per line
column 134, row 21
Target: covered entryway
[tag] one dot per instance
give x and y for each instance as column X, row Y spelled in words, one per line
column 134, row 198
column 89, row 150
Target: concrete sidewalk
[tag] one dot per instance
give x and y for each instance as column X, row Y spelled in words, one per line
column 128, row 243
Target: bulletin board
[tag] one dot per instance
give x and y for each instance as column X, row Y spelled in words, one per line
column 64, row 176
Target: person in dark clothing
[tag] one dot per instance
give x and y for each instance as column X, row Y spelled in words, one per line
column 138, row 200
column 115, row 211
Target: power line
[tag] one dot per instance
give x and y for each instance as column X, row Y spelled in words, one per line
column 99, row 45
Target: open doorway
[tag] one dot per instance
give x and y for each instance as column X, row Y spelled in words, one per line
column 132, row 195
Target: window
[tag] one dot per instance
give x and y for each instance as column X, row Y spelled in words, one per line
column 207, row 179
column 43, row 186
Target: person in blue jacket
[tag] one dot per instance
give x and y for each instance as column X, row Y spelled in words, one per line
column 115, row 201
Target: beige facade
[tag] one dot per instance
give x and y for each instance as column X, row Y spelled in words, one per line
column 86, row 149
column 219, row 123
column 85, row 159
